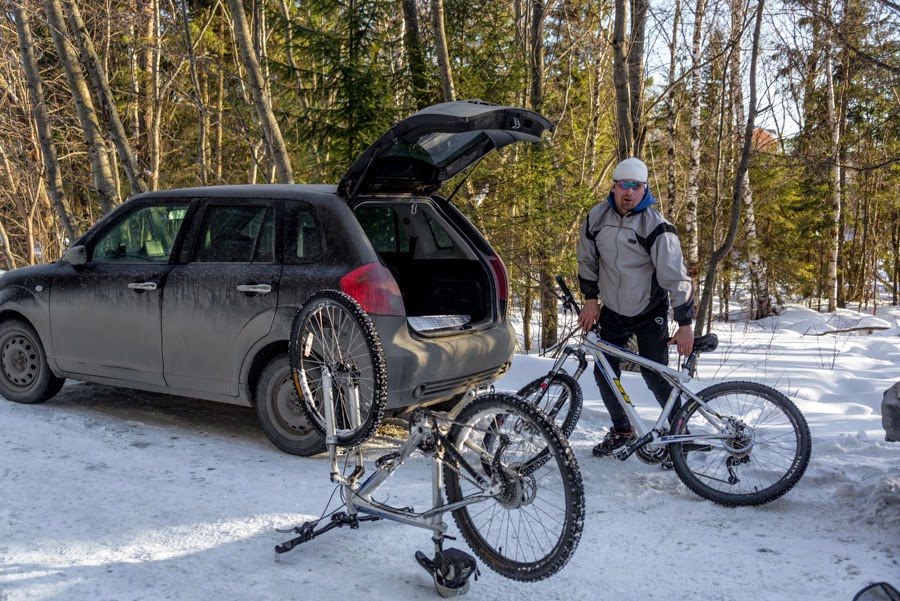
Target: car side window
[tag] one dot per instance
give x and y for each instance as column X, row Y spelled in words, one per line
column 236, row 234
column 442, row 239
column 146, row 235
column 303, row 236
column 383, row 229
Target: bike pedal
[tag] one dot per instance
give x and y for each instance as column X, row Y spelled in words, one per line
column 621, row 453
column 451, row 570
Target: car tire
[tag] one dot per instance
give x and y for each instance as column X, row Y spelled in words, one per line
column 25, row 376
column 280, row 414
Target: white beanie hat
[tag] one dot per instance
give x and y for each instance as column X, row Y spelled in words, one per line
column 633, row 169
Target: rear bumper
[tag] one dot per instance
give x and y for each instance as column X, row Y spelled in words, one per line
column 426, row 370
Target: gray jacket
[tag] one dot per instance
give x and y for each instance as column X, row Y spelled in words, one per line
column 633, row 262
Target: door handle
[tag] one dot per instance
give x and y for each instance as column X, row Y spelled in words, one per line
column 142, row 285
column 256, row 288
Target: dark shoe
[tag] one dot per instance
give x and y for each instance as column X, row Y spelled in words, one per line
column 613, row 440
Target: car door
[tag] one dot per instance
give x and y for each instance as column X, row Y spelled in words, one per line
column 105, row 314
column 222, row 299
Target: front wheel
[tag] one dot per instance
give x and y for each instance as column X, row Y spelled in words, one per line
column 560, row 399
column 531, row 524
column 763, row 457
column 25, row 376
column 332, row 334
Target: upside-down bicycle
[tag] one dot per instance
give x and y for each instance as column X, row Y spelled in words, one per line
column 510, row 478
column 734, row 443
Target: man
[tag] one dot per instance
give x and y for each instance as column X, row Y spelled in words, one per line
column 630, row 257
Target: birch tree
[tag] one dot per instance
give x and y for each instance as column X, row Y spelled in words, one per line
column 693, row 191
column 100, row 81
column 262, row 100
column 738, row 188
column 52, row 174
column 443, row 55
column 104, row 181
column 760, row 298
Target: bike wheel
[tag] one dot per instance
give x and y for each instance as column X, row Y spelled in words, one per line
column 531, row 526
column 332, row 331
column 560, row 399
column 764, row 457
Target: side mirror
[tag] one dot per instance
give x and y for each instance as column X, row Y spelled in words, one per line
column 77, row 255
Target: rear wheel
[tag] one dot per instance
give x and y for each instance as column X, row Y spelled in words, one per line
column 765, row 456
column 25, row 376
column 560, row 399
column 280, row 413
column 532, row 525
column 332, row 332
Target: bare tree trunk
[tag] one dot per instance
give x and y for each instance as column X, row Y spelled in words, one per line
column 834, row 125
column 671, row 114
column 537, row 54
column 8, row 259
column 97, row 73
column 527, row 312
column 549, row 318
column 202, row 121
column 636, row 72
column 146, row 96
column 760, row 298
column 743, row 165
column 443, row 55
column 693, row 192
column 624, row 129
column 42, row 123
column 220, row 112
column 415, row 54
column 275, row 146
column 84, row 106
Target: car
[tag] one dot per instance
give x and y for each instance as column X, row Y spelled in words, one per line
column 193, row 291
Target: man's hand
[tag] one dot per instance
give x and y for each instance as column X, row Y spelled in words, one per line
column 684, row 339
column 589, row 315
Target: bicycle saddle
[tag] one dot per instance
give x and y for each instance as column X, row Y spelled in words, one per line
column 703, row 344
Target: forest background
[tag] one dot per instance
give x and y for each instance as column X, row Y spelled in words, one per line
column 770, row 126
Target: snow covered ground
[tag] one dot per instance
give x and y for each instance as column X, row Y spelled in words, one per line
column 111, row 494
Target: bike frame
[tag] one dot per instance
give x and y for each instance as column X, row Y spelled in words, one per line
column 658, row 433
column 358, row 496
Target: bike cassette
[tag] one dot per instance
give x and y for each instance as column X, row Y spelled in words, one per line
column 451, row 570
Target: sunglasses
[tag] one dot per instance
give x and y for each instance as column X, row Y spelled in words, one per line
column 629, row 185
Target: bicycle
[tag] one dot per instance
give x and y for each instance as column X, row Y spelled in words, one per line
column 493, row 449
column 734, row 443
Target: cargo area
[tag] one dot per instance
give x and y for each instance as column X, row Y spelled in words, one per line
column 445, row 285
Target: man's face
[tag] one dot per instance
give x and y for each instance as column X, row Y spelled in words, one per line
column 627, row 194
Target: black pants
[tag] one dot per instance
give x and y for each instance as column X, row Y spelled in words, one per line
column 652, row 332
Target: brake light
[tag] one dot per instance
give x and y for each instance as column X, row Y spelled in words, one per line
column 500, row 276
column 375, row 289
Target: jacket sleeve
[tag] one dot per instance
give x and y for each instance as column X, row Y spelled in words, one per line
column 671, row 274
column 588, row 262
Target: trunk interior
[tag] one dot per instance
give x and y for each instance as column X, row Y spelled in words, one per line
column 444, row 283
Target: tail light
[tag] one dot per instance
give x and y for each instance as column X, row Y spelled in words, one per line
column 375, row 289
column 500, row 277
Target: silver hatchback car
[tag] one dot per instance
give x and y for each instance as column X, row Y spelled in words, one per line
column 193, row 291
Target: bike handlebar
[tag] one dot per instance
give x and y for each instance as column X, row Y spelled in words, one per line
column 568, row 298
